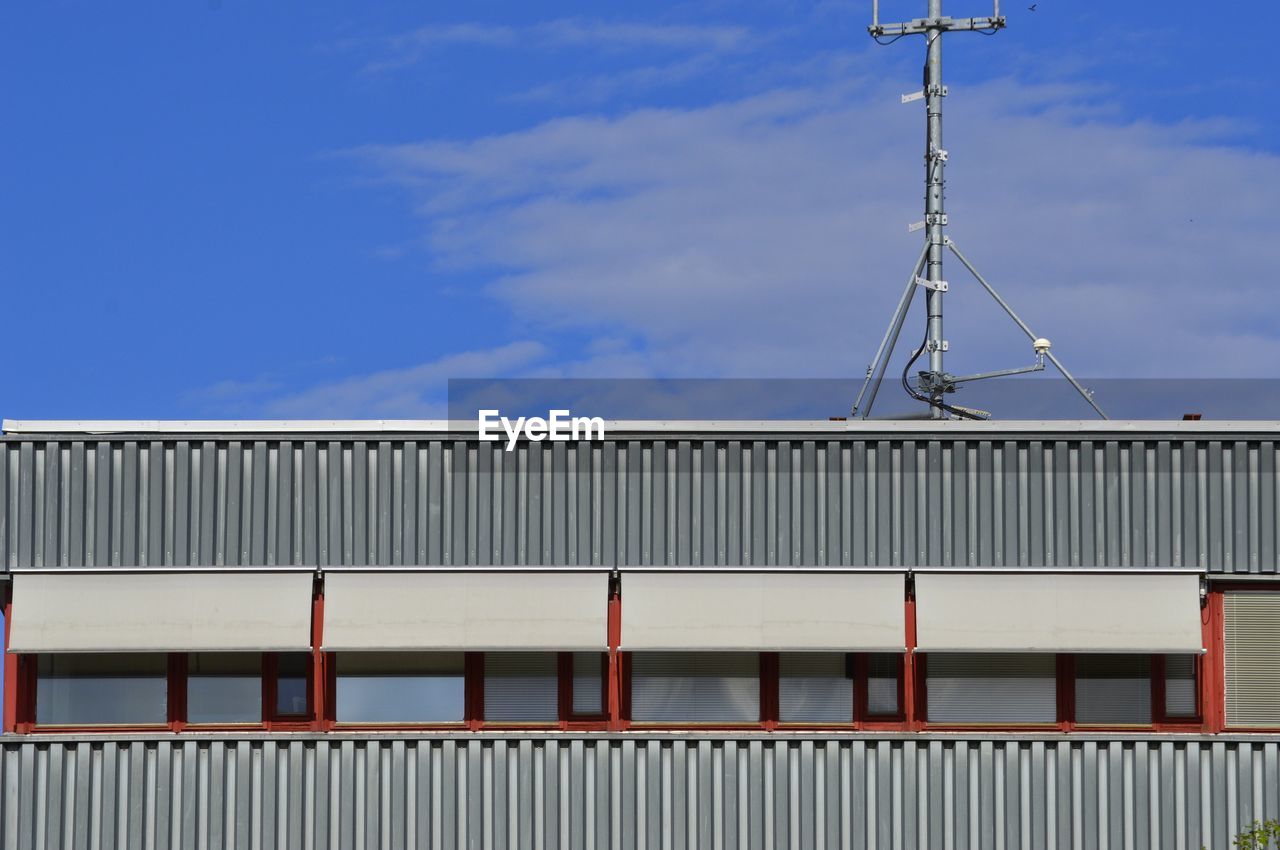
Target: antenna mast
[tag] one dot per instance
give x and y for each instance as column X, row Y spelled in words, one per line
column 932, row 385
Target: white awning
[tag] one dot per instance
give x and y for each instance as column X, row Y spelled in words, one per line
column 795, row 611
column 161, row 612
column 1058, row 612
column 466, row 610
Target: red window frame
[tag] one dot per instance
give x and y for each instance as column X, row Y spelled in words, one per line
column 582, row 720
column 272, row 717
column 768, row 662
column 770, row 706
column 1160, row 683
column 178, row 689
column 28, row 678
column 473, row 701
column 1215, row 696
column 1161, row 721
column 25, row 675
column 890, row 722
column 1065, row 679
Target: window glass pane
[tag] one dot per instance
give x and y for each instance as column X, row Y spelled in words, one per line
column 521, row 687
column 814, row 687
column 93, row 689
column 588, row 682
column 1113, row 689
column 1180, row 685
column 291, row 683
column 687, row 687
column 992, row 688
column 224, row 687
column 400, row 687
column 883, row 670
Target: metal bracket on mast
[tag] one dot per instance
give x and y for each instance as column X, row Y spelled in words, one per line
column 919, row 26
column 940, row 91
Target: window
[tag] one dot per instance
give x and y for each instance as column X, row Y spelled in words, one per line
column 751, row 688
column 1113, row 689
column 521, row 687
column 884, row 679
column 400, row 687
column 1097, row 689
column 589, row 683
column 1180, row 687
column 996, row 688
column 815, row 687
column 695, row 687
column 293, row 684
column 1251, row 633
column 224, row 687
column 102, row 689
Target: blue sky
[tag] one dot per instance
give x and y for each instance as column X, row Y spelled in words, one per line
column 233, row 209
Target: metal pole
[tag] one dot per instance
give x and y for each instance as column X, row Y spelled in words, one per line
column 890, row 337
column 936, row 382
column 935, row 163
column 1084, row 393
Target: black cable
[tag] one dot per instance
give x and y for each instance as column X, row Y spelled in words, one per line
column 914, row 357
column 929, row 400
column 890, row 41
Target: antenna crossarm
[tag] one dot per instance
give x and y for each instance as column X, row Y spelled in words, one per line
column 1003, row 373
column 924, row 25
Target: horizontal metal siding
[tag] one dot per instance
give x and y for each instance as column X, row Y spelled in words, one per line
column 1016, row 502
column 634, row 794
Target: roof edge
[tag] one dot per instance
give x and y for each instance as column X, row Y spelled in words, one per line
column 33, row 426
column 19, row 427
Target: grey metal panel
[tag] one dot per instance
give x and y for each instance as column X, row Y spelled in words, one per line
column 679, row 792
column 973, row 499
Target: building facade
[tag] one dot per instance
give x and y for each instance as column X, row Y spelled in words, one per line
column 686, row 634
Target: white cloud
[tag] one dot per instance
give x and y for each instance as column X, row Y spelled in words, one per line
column 767, row 236
column 405, row 50
column 570, row 32
column 413, row 392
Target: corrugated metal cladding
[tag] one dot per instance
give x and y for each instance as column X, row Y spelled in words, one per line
column 1042, row 501
column 634, row 794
